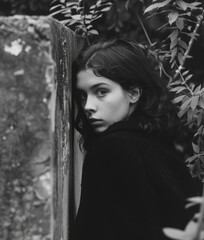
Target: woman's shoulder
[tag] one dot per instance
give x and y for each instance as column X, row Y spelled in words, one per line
column 132, row 145
column 126, row 138
column 116, row 152
column 120, row 146
column 121, row 138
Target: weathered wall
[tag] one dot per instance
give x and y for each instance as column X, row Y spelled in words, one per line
column 36, row 128
column 66, row 47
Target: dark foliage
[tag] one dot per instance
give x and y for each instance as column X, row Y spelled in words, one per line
column 31, row 7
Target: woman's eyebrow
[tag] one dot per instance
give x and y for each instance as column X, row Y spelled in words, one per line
column 98, row 85
column 93, row 87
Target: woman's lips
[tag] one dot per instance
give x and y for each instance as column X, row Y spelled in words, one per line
column 95, row 122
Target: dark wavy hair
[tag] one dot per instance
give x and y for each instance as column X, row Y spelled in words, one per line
column 125, row 63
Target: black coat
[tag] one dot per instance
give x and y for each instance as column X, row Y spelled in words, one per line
column 133, row 185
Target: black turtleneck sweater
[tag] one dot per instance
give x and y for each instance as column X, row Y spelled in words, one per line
column 133, row 185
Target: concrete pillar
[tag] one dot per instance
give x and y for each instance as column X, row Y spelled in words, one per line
column 36, row 154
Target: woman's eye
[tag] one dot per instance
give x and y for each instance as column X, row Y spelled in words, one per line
column 101, row 92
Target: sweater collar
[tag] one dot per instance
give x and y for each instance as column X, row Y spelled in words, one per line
column 129, row 125
column 132, row 126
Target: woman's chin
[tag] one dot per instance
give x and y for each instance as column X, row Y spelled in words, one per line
column 99, row 129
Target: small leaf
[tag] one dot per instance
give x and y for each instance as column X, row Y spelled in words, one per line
column 156, row 5
column 105, row 9
column 196, row 148
column 57, row 12
column 189, row 34
column 200, row 119
column 196, row 3
column 181, row 50
column 180, row 58
column 180, row 23
column 202, row 91
column 71, row 22
column 190, row 116
column 198, row 88
column 186, row 103
column 173, row 16
column 93, row 32
column 182, row 112
column 176, row 82
column 201, row 102
column 190, row 230
column 188, row 77
column 76, row 17
column 151, row 7
column 56, row 6
column 184, row 73
column 174, row 35
column 178, row 99
column 190, row 205
column 194, row 102
column 188, row 56
column 173, row 64
column 174, row 233
column 95, row 18
column 173, row 53
column 88, row 16
column 178, row 89
column 182, row 4
column 201, row 128
column 183, row 44
column 99, row 2
column 173, row 44
column 189, row 160
column 193, row 5
column 71, row 4
column 89, row 27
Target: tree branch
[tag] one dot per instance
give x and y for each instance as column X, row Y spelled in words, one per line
column 200, row 19
column 145, row 32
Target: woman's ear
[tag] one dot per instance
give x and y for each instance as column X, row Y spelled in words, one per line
column 134, row 94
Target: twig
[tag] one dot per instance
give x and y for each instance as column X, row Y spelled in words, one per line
column 186, row 85
column 200, row 19
column 165, row 73
column 145, row 32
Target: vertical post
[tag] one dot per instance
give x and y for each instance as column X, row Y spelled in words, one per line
column 36, row 128
column 66, row 47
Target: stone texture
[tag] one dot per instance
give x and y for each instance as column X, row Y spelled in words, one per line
column 36, row 128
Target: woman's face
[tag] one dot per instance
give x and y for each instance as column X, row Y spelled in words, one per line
column 104, row 101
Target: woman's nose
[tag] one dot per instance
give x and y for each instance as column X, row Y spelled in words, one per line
column 90, row 105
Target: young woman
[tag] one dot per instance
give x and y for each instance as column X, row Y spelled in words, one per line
column 134, row 182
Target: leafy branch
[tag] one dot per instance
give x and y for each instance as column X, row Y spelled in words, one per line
column 76, row 17
column 193, row 37
column 184, row 20
column 181, row 19
column 189, row 97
